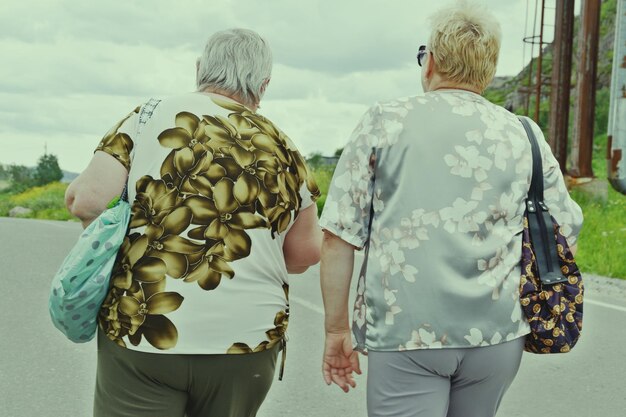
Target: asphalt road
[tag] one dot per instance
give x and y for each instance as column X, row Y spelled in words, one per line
column 42, row 374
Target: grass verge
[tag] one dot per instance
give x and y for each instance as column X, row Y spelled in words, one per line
column 46, row 202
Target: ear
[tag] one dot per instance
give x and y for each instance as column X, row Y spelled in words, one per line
column 197, row 72
column 430, row 65
column 264, row 85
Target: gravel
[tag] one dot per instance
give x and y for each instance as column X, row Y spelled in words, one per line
column 603, row 286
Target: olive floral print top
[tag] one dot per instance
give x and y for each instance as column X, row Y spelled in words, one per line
column 214, row 188
column 443, row 179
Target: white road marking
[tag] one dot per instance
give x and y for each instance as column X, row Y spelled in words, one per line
column 307, row 304
column 606, row 305
column 63, row 224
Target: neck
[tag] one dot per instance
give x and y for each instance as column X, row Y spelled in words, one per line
column 439, row 83
column 236, row 97
column 457, row 87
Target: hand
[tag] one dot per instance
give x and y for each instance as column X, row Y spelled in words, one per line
column 340, row 360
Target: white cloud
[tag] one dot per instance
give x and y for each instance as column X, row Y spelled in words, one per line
column 72, row 69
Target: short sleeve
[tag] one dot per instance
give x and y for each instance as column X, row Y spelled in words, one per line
column 118, row 142
column 348, row 204
column 562, row 207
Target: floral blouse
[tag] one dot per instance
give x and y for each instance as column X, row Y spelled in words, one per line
column 436, row 184
column 214, row 189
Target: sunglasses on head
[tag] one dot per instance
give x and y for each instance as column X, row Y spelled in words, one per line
column 420, row 54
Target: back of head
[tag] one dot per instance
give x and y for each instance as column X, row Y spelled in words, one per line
column 465, row 43
column 238, row 61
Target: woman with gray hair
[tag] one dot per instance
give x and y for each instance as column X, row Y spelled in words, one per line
column 222, row 211
column 434, row 186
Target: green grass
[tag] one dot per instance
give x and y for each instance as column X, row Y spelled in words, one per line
column 47, row 202
column 602, row 241
column 323, row 175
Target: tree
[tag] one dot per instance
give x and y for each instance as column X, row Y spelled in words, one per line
column 315, row 159
column 47, row 170
column 3, row 173
column 21, row 177
column 338, row 152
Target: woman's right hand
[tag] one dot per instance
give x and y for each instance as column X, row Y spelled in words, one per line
column 340, row 360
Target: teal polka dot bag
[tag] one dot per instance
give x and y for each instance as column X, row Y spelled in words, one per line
column 81, row 283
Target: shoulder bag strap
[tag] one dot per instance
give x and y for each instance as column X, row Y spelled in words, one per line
column 540, row 224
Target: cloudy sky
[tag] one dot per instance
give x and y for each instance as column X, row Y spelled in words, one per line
column 71, row 69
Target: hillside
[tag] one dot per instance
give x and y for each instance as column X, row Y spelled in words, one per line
column 505, row 90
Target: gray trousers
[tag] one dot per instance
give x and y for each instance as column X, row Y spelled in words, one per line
column 467, row 382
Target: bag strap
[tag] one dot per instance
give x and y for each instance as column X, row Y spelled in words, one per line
column 144, row 115
column 540, row 223
column 536, row 183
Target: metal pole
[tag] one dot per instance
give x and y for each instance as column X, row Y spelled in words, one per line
column 561, row 80
column 582, row 145
column 539, row 63
column 617, row 113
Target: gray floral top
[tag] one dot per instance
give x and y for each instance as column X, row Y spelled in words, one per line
column 444, row 177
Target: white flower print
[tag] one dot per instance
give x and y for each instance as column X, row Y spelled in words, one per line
column 459, row 103
column 390, row 315
column 421, row 217
column 501, row 154
column 474, row 136
column 468, row 162
column 409, row 272
column 378, row 203
column 507, row 208
column 475, row 338
column 359, row 312
column 424, row 337
column 495, row 122
column 496, row 270
column 344, row 181
column 461, row 216
column 517, row 314
column 392, row 129
column 409, row 234
column 391, row 258
column 479, row 190
column 390, row 296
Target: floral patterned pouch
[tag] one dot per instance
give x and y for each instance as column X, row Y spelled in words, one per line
column 551, row 289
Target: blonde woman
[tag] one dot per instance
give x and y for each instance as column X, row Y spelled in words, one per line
column 434, row 187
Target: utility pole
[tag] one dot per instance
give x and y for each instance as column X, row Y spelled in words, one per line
column 616, row 155
column 582, row 144
column 561, row 80
column 539, row 80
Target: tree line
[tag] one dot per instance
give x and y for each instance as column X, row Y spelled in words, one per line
column 21, row 177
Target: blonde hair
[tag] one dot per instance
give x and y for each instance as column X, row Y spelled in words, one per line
column 465, row 43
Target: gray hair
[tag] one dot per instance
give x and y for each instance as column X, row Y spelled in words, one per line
column 238, row 61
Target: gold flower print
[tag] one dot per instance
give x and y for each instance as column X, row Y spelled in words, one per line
column 118, row 145
column 146, row 309
column 223, row 177
column 132, row 265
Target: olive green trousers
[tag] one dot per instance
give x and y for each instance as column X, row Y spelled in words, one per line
column 137, row 384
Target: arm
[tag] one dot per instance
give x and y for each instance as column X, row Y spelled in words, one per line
column 103, row 180
column 335, row 275
column 303, row 241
